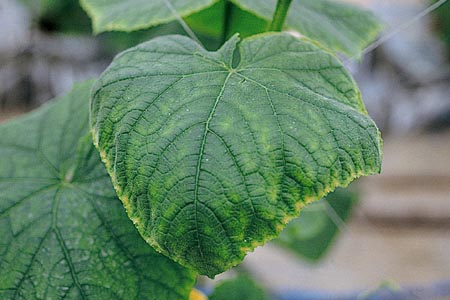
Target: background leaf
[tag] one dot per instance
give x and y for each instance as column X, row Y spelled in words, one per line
column 64, row 233
column 51, row 15
column 313, row 232
column 211, row 157
column 137, row 14
column 210, row 21
column 245, row 23
column 240, row 288
column 340, row 27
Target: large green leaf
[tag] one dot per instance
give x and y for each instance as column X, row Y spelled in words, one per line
column 64, row 234
column 312, row 234
column 211, row 157
column 139, row 14
column 337, row 26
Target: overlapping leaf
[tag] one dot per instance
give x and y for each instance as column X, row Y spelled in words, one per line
column 212, row 153
column 239, row 288
column 210, row 21
column 313, row 233
column 340, row 27
column 138, row 14
column 64, row 234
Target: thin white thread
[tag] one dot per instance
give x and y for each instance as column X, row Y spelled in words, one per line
column 182, row 22
column 342, row 226
column 399, row 29
column 335, row 218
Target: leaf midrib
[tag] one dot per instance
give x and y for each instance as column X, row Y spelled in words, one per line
column 199, row 163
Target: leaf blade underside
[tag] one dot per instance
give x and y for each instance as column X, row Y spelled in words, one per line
column 64, row 232
column 133, row 15
column 212, row 159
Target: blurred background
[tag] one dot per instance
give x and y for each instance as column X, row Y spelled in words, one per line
column 395, row 243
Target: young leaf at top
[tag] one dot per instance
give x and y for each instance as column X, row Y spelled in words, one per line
column 337, row 26
column 312, row 234
column 64, row 234
column 137, row 14
column 212, row 154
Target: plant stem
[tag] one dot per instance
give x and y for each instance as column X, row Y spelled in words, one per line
column 280, row 15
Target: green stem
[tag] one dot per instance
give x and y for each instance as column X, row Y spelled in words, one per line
column 280, row 15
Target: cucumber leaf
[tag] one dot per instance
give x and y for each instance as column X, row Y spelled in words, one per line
column 212, row 153
column 245, row 23
column 240, row 288
column 312, row 234
column 64, row 234
column 210, row 21
column 133, row 15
